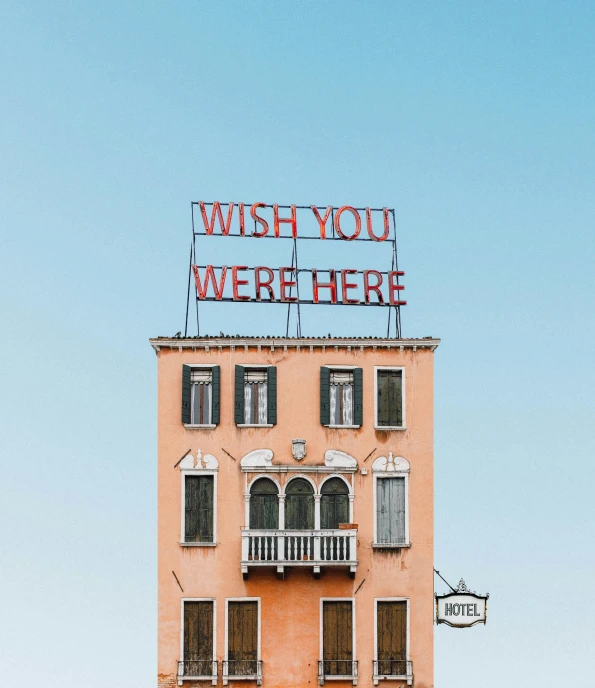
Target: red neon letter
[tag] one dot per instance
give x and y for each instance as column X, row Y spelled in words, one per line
column 332, row 285
column 358, row 222
column 322, row 220
column 369, row 225
column 238, row 282
column 373, row 287
column 257, row 218
column 201, row 291
column 209, row 228
column 242, row 229
column 291, row 221
column 393, row 287
column 285, row 283
column 266, row 283
column 345, row 285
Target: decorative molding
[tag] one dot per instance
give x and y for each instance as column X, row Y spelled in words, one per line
column 207, row 462
column 257, row 458
column 339, row 459
column 394, row 464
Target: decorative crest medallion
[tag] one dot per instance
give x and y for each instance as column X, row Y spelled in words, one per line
column 298, row 449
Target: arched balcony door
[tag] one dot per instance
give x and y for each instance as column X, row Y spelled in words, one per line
column 264, row 505
column 299, row 505
column 334, row 504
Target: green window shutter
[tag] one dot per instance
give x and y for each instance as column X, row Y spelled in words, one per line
column 186, row 394
column 358, row 396
column 272, row 395
column 239, row 396
column 216, row 401
column 325, row 395
column 198, row 525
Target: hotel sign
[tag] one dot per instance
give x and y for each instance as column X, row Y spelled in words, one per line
column 461, row 609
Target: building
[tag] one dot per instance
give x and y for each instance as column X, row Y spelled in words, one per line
column 296, row 534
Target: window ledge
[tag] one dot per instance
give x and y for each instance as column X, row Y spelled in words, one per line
column 344, row 427
column 198, row 544
column 390, row 427
column 390, row 545
column 191, row 426
column 255, row 425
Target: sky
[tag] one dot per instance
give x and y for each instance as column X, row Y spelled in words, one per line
column 474, row 120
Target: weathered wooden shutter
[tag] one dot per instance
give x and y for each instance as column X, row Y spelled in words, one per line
column 239, row 395
column 186, row 391
column 337, row 638
column 216, row 396
column 392, row 638
column 390, row 511
column 325, row 395
column 390, row 398
column 242, row 637
column 198, row 522
column 264, row 505
column 358, row 396
column 299, row 505
column 272, row 395
column 334, row 504
column 198, row 638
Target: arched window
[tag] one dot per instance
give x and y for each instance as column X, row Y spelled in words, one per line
column 299, row 505
column 334, row 504
column 264, row 505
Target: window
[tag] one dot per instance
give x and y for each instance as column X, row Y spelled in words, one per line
column 391, row 641
column 391, row 510
column 264, row 515
column 334, row 504
column 390, row 407
column 242, row 650
column 255, row 395
column 341, row 397
column 199, row 508
column 299, row 505
column 337, row 640
column 198, row 640
column 200, row 395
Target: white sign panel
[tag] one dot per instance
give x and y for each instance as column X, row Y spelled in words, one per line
column 461, row 609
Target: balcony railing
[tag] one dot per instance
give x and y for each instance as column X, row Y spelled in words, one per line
column 392, row 668
column 242, row 670
column 337, row 670
column 197, row 669
column 313, row 548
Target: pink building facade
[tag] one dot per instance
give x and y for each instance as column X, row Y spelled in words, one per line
column 295, row 511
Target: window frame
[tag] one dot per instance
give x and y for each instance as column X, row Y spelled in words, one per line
column 257, row 366
column 343, row 367
column 190, row 472
column 201, row 426
column 377, row 677
column 259, row 634
column 391, row 428
column 383, row 475
column 342, row 677
column 183, row 600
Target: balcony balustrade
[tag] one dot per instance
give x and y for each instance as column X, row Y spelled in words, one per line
column 398, row 669
column 337, row 670
column 313, row 548
column 242, row 670
column 197, row 670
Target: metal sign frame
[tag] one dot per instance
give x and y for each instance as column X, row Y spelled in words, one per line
column 331, row 217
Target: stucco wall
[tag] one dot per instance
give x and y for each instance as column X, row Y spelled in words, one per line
column 291, row 607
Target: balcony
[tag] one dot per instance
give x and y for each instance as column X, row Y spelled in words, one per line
column 197, row 670
column 242, row 670
column 312, row 548
column 396, row 669
column 337, row 670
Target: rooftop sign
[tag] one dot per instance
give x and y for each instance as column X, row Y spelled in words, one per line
column 290, row 283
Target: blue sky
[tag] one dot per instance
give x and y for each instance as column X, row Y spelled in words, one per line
column 473, row 119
